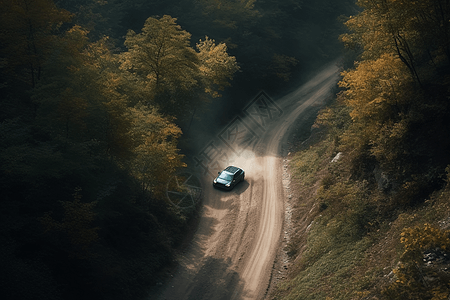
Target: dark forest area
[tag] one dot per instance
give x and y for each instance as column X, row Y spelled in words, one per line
column 92, row 96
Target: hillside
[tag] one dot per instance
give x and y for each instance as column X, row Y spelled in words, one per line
column 371, row 207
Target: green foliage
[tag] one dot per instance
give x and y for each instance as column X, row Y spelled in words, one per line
column 330, row 231
column 81, row 113
column 335, row 117
column 329, row 276
column 337, row 238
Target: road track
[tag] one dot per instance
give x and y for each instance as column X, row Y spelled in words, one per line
column 232, row 253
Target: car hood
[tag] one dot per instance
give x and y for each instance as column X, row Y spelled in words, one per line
column 222, row 181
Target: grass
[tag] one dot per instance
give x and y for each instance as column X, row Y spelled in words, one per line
column 306, row 164
column 346, row 241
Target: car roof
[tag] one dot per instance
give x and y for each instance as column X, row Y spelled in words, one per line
column 232, row 169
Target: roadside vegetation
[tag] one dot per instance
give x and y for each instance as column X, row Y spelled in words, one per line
column 374, row 222
column 93, row 98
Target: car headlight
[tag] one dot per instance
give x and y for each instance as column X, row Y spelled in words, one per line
column 215, row 181
column 227, row 185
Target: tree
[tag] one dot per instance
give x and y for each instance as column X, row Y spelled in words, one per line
column 398, row 91
column 417, row 32
column 68, row 99
column 175, row 76
column 414, row 278
column 162, row 60
column 379, row 95
column 76, row 225
column 29, row 29
column 282, row 65
column 216, row 66
column 155, row 156
column 72, row 120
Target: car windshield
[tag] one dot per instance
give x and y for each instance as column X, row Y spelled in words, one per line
column 226, row 175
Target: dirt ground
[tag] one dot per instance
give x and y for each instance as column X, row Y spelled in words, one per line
column 236, row 252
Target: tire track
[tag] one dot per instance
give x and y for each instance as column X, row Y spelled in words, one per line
column 234, row 254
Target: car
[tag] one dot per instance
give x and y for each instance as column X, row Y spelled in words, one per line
column 229, row 177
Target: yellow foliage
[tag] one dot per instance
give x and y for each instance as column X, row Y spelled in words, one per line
column 374, row 86
column 417, row 239
column 174, row 75
column 161, row 54
column 414, row 280
column 155, row 156
column 440, row 294
column 377, row 93
column 216, row 66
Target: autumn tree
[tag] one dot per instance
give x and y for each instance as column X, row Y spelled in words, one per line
column 86, row 156
column 417, row 278
column 173, row 74
column 416, row 32
column 397, row 91
column 215, row 65
column 155, row 157
column 162, row 60
column 379, row 95
column 90, row 101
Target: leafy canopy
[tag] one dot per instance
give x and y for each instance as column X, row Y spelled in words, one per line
column 175, row 77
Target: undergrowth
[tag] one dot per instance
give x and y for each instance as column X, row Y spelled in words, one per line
column 352, row 243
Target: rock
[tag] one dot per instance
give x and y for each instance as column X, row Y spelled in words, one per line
column 383, row 181
column 337, row 157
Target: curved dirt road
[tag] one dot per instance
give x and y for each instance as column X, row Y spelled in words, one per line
column 233, row 251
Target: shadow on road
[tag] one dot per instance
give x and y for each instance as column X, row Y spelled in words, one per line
column 241, row 187
column 206, row 286
column 238, row 189
column 200, row 277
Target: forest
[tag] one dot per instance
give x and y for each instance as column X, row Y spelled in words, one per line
column 94, row 97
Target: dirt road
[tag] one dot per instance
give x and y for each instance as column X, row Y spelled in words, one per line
column 233, row 251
